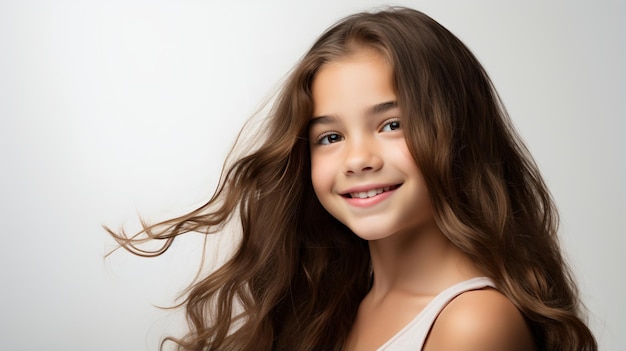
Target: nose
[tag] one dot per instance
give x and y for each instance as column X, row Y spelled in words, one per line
column 362, row 156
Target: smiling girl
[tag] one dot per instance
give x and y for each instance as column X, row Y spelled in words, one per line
column 390, row 206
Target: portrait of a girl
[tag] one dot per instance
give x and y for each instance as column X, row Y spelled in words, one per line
column 389, row 204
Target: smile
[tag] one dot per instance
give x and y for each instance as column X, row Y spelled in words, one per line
column 370, row 193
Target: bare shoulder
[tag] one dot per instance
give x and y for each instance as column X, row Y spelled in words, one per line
column 480, row 320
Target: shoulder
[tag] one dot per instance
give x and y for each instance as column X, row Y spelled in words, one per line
column 480, row 320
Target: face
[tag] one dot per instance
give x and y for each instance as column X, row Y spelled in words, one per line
column 361, row 168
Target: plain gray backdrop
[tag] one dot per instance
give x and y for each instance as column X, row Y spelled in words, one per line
column 113, row 108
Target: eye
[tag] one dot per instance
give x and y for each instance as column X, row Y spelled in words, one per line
column 329, row 138
column 390, row 125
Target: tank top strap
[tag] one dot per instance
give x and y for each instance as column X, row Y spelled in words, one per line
column 413, row 335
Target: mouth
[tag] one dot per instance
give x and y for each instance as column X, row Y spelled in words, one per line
column 370, row 193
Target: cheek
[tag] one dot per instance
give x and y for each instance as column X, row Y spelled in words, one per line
column 320, row 176
column 399, row 154
column 405, row 161
column 323, row 175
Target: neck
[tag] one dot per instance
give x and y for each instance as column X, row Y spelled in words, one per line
column 418, row 263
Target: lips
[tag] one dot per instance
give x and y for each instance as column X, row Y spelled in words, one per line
column 364, row 194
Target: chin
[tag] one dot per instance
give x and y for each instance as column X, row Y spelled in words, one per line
column 370, row 233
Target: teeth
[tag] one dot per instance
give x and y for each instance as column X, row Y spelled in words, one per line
column 370, row 193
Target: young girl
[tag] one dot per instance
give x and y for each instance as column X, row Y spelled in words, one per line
column 389, row 206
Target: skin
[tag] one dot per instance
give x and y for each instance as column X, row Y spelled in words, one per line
column 357, row 145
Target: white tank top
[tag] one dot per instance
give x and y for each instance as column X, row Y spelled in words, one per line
column 413, row 335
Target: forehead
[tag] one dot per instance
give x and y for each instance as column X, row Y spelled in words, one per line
column 352, row 82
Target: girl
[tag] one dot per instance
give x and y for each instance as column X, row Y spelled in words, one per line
column 389, row 206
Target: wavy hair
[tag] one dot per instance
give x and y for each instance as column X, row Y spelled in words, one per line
column 298, row 275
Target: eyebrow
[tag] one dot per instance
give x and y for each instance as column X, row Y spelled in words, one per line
column 374, row 110
column 382, row 107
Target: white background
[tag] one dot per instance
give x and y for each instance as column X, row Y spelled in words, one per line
column 114, row 108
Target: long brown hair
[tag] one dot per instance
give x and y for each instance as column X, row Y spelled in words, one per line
column 298, row 275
